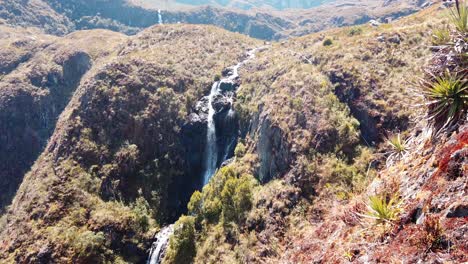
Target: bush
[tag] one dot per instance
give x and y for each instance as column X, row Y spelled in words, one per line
column 327, row 42
column 355, row 31
column 433, row 233
column 181, row 249
column 240, row 150
column 398, row 147
column 447, row 98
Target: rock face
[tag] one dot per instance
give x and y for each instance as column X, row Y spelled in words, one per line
column 27, row 121
column 272, row 148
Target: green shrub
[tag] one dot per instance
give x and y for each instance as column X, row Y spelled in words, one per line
column 327, row 42
column 212, row 209
column 447, row 99
column 181, row 249
column 355, row 31
column 240, row 150
column 236, row 198
column 383, row 211
column 217, row 78
column 195, row 205
column 143, row 213
column 459, row 16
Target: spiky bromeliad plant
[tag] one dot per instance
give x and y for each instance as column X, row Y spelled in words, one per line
column 447, row 99
column 398, row 147
column 383, row 211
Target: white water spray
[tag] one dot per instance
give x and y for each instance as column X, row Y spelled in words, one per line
column 160, row 21
column 160, row 244
column 211, row 149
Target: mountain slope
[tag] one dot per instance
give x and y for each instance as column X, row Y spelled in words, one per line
column 115, row 167
column 39, row 75
column 312, row 115
column 315, row 110
column 58, row 17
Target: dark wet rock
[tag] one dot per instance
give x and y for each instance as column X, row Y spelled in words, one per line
column 227, row 72
column 221, row 103
column 381, row 38
column 458, row 210
column 45, row 255
column 227, row 162
column 228, row 85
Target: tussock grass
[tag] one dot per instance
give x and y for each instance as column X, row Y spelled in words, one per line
column 459, row 16
column 440, row 36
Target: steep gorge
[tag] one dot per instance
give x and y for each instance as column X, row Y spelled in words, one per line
column 132, row 141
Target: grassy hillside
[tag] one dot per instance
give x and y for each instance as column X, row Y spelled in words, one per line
column 39, row 75
column 317, row 112
column 108, row 176
column 336, row 161
column 130, row 17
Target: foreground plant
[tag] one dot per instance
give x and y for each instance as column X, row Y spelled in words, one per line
column 440, row 36
column 447, row 98
column 398, row 147
column 383, row 211
column 459, row 16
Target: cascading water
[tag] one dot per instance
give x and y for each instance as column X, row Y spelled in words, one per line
column 211, row 151
column 160, row 244
column 160, row 21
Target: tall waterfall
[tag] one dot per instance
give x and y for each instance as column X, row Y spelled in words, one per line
column 160, row 21
column 211, row 153
column 211, row 150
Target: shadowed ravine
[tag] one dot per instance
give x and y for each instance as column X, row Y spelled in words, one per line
column 219, row 145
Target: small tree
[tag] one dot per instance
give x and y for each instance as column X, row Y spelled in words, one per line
column 182, row 248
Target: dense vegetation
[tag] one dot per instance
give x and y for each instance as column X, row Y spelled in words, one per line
column 347, row 149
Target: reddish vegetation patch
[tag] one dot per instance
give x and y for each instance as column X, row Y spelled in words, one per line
column 446, row 153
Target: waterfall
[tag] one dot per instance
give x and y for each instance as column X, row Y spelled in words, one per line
column 160, row 21
column 160, row 244
column 211, row 150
